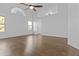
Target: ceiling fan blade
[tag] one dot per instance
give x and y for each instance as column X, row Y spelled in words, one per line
column 31, row 5
column 38, row 6
column 24, row 4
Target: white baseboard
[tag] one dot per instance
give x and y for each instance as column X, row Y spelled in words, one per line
column 56, row 35
column 77, row 47
column 9, row 36
column 27, row 34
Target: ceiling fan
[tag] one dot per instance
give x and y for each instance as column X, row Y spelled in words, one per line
column 32, row 6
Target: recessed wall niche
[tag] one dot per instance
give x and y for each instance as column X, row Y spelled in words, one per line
column 2, row 23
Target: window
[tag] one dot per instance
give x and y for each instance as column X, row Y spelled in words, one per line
column 29, row 25
column 2, row 24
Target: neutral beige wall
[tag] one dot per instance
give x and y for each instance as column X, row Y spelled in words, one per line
column 57, row 25
column 15, row 23
column 73, row 25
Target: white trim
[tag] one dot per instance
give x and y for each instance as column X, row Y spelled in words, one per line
column 73, row 45
column 55, row 35
column 12, row 36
